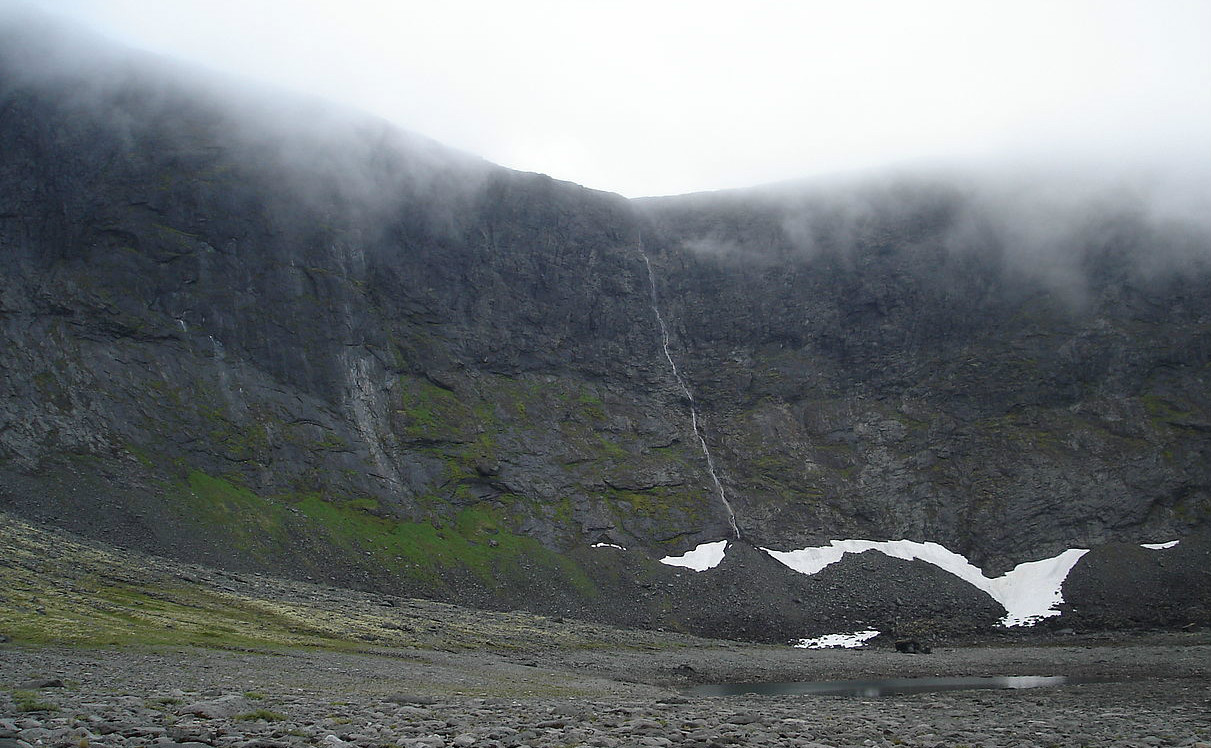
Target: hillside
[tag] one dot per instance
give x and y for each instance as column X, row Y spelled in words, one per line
column 246, row 330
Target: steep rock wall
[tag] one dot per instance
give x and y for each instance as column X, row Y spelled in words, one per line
column 246, row 330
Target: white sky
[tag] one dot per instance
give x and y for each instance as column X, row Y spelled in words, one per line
column 659, row 97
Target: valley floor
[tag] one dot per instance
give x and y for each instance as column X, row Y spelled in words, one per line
column 104, row 648
column 1158, row 694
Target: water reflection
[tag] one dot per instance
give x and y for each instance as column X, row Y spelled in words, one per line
column 883, row 687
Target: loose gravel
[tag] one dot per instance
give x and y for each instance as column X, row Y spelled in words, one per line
column 129, row 698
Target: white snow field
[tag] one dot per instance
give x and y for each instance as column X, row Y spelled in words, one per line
column 705, row 556
column 1028, row 593
column 830, row 641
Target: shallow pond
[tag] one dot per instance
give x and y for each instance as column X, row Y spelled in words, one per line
column 883, row 687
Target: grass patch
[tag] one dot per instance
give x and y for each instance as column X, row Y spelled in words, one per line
column 61, row 592
column 245, row 521
column 161, row 702
column 29, row 701
column 478, row 541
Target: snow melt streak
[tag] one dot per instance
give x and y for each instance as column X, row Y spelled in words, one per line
column 689, row 396
column 1028, row 593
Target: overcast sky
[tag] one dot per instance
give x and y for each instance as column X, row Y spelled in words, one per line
column 652, row 97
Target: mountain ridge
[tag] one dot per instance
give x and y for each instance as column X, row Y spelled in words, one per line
column 326, row 348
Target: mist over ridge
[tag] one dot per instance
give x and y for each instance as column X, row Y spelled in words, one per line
column 1026, row 201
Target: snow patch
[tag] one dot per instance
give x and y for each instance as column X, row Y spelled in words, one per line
column 705, row 556
column 829, row 641
column 1031, row 591
column 608, row 545
column 1028, row 593
column 1159, row 546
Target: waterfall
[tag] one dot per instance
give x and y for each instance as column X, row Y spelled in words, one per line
column 689, row 396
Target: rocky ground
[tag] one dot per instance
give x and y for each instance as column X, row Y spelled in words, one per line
column 1158, row 694
column 105, row 649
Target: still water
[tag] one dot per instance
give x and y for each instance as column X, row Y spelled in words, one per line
column 884, row 687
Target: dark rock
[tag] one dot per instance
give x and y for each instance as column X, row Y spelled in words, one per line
column 192, row 734
column 112, row 728
column 912, row 646
column 1125, row 586
column 223, row 707
column 36, row 683
column 413, row 699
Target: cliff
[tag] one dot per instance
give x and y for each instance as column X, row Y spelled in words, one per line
column 243, row 329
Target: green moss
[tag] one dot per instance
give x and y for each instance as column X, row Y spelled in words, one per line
column 51, row 391
column 915, row 425
column 232, row 514
column 105, row 611
column 142, row 455
column 477, row 541
column 29, row 701
column 62, row 592
column 332, row 442
column 563, row 511
column 1163, row 411
column 261, row 714
column 668, row 507
column 164, row 701
column 162, row 389
column 591, row 406
column 247, row 441
column 432, row 412
column 609, row 448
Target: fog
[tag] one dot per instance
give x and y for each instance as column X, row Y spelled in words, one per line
column 666, row 97
column 341, row 164
column 1102, row 135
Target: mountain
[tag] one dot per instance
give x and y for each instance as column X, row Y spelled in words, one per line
column 244, row 329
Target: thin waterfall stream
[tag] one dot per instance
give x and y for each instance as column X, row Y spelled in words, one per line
column 689, row 396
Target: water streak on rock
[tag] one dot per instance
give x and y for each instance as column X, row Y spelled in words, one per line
column 689, row 396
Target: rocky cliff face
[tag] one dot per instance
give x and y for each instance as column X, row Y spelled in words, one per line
column 242, row 329
column 927, row 359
